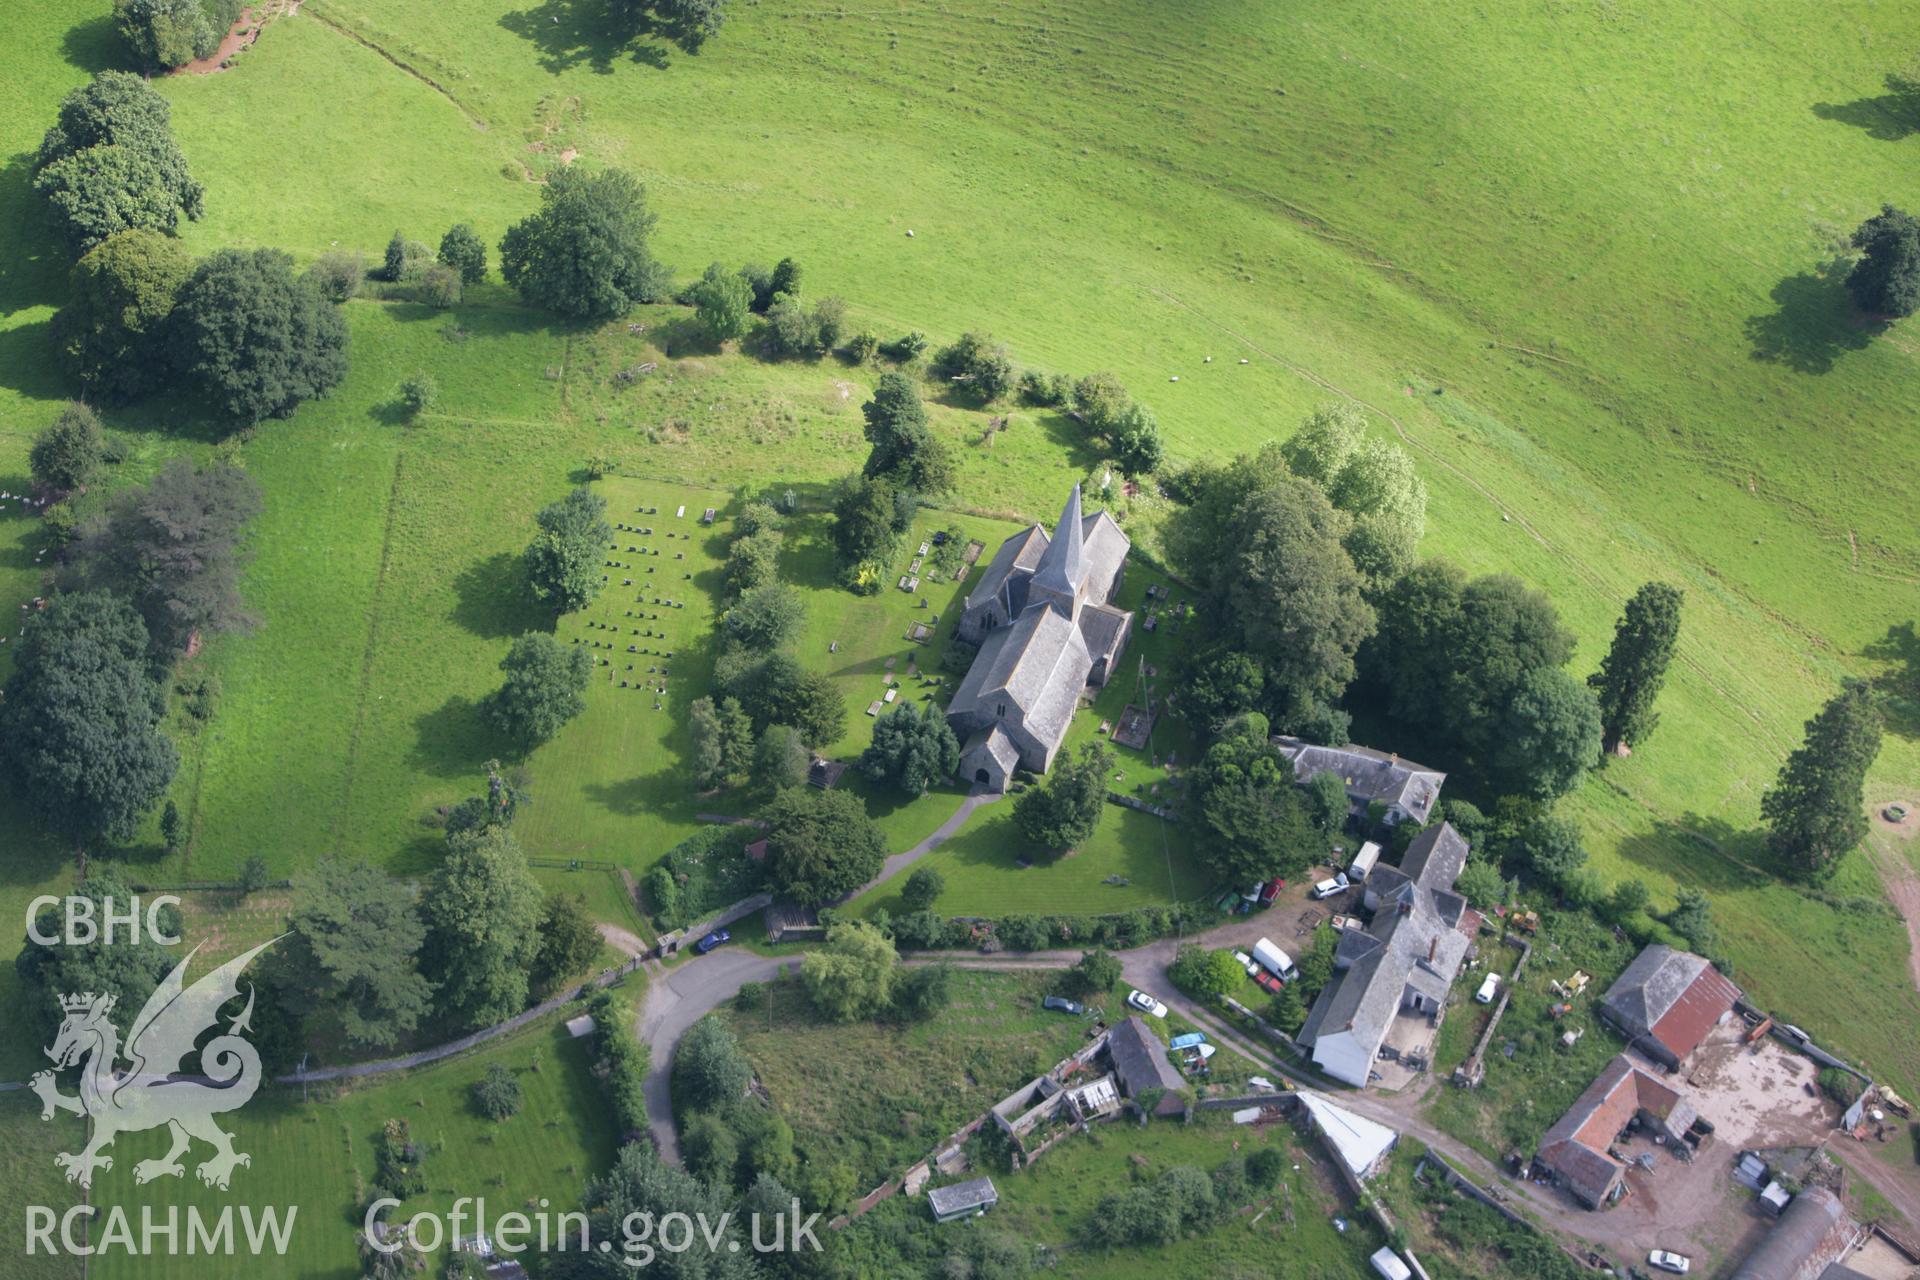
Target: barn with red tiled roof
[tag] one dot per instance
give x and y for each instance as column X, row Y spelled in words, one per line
column 1577, row 1150
column 1667, row 1001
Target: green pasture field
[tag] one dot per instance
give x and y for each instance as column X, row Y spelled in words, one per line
column 1596, row 299
column 879, row 1096
column 318, row 1154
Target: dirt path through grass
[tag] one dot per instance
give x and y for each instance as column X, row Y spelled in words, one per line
column 1903, row 886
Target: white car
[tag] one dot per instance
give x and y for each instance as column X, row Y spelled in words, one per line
column 1245, row 961
column 1488, row 989
column 1678, row 1263
column 1328, row 888
column 1146, row 1004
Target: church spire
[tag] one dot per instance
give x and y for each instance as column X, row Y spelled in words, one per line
column 1063, row 566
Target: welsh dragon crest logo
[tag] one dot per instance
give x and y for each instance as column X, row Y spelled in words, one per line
column 152, row 1091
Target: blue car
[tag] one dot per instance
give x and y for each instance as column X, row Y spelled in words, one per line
column 711, row 941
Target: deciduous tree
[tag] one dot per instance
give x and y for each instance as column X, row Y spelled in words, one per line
column 780, row 758
column 351, row 952
column 79, row 722
column 482, row 914
column 176, row 549
column 912, row 749
column 120, row 295
column 546, row 686
column 564, row 560
column 821, row 845
column 69, row 453
column 586, row 251
column 853, row 975
column 723, row 300
column 1886, row 280
column 110, row 164
column 256, row 339
column 127, row 968
column 1256, row 820
column 923, row 889
column 464, row 252
column 905, row 451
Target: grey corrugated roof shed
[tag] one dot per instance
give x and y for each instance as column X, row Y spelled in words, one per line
column 971, row 1196
column 1809, row 1235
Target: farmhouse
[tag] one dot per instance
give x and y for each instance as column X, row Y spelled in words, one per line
column 1047, row 628
column 1577, row 1150
column 1141, row 1062
column 1400, row 965
column 1408, row 790
column 1666, row 1001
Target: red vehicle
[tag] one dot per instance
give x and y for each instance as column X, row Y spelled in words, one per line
column 1272, row 891
column 1268, row 982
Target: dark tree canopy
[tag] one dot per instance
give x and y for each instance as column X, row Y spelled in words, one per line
column 979, row 364
column 905, row 451
column 780, row 758
column 569, row 941
column 765, row 618
column 1136, row 441
column 1886, row 280
column 1816, row 811
column 780, row 690
column 79, row 722
column 1276, row 584
column 163, row 34
column 350, row 953
column 257, row 339
column 546, row 686
column 912, row 749
column 110, row 164
column 565, row 559
column 1065, row 811
column 821, row 845
column 1475, row 665
column 175, row 549
column 585, row 252
column 482, row 913
column 464, row 252
column 1635, row 667
column 69, row 453
column 127, row 969
column 1258, row 823
column 923, row 888
column 866, row 521
column 110, row 332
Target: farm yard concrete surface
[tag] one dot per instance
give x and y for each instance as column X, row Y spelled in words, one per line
column 1598, row 298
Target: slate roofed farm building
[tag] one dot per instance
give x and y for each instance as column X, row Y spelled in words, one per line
column 1666, row 1001
column 1805, row 1244
column 1044, row 619
column 1577, row 1148
column 1408, row 790
column 1401, row 964
column 1141, row 1062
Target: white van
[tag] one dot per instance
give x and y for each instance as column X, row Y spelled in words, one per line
column 1364, row 862
column 1488, row 989
column 1276, row 960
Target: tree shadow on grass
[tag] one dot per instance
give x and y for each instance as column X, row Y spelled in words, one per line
column 1815, row 323
column 1899, row 685
column 1070, row 437
column 92, row 45
column 1710, row 853
column 455, row 737
column 1887, row 117
column 494, row 599
column 573, row 33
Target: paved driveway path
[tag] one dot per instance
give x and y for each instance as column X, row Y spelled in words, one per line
column 899, row 862
column 676, row 999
